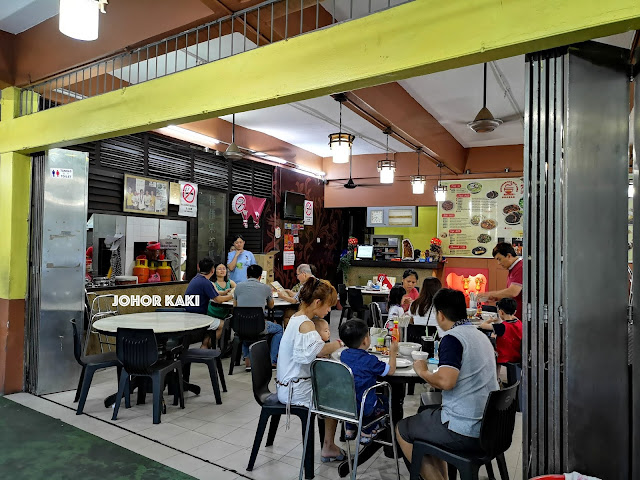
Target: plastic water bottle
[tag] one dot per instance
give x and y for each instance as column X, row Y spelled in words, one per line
column 436, row 348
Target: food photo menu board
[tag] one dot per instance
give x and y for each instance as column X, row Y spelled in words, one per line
column 477, row 214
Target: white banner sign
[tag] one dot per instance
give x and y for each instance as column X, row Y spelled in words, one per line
column 188, row 199
column 308, row 212
column 288, row 258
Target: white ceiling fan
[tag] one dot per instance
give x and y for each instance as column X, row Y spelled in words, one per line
column 233, row 151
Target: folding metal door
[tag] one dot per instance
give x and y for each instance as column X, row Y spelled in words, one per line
column 56, row 290
column 575, row 373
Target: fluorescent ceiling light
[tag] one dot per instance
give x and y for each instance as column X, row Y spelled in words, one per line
column 69, row 93
column 189, row 136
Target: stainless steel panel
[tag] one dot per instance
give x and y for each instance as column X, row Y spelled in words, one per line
column 64, row 218
column 634, row 332
column 595, row 191
column 576, row 131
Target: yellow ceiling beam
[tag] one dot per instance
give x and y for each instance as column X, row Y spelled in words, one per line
column 417, row 38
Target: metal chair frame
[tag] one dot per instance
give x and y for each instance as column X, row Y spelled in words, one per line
column 351, row 417
column 96, row 312
column 376, row 315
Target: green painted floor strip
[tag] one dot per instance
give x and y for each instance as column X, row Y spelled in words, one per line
column 34, row 446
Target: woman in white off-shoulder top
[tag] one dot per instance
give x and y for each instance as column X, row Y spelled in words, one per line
column 300, row 345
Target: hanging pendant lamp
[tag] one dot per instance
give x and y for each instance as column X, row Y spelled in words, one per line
column 233, row 152
column 440, row 190
column 418, row 181
column 79, row 19
column 341, row 142
column 387, row 167
column 484, row 121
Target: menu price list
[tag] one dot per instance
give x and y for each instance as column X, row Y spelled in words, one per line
column 477, row 214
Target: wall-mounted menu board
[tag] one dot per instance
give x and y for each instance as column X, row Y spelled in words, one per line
column 477, row 214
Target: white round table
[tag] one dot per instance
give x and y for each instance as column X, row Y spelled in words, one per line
column 277, row 302
column 159, row 322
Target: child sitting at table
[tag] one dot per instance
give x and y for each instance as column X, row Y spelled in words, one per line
column 508, row 332
column 394, row 305
column 366, row 368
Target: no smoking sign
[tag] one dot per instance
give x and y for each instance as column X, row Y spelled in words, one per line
column 188, row 193
column 188, row 200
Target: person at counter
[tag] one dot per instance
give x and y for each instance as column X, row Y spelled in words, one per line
column 201, row 285
column 239, row 260
column 409, row 280
column 506, row 256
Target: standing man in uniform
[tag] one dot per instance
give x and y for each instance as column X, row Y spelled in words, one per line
column 506, row 256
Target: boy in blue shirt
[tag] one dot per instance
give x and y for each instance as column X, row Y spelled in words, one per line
column 366, row 368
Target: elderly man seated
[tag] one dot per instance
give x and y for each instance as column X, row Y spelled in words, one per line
column 303, row 273
column 252, row 293
column 466, row 375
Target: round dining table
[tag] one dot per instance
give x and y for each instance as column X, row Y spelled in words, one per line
column 165, row 325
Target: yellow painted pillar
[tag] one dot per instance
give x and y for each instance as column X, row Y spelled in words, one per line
column 15, row 201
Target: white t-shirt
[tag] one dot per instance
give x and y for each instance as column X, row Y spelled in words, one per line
column 395, row 311
column 428, row 319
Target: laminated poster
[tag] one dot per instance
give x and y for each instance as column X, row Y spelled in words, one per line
column 477, row 214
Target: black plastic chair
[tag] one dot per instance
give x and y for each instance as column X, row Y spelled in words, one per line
column 496, row 433
column 356, row 303
column 514, row 372
column 90, row 364
column 248, row 325
column 271, row 407
column 343, row 295
column 376, row 315
column 211, row 358
column 137, row 351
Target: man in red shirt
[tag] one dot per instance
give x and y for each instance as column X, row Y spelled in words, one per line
column 506, row 256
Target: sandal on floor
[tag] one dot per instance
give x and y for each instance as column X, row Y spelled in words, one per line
column 350, row 434
column 365, row 438
column 337, row 458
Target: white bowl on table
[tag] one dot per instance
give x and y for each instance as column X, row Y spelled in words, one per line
column 418, row 355
column 471, row 312
column 407, row 347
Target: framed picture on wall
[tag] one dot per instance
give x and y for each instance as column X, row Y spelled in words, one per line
column 145, row 195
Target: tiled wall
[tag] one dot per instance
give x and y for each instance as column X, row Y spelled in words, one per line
column 139, row 229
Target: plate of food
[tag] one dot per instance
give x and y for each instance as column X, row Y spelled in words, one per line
column 476, row 219
column 447, row 205
column 484, row 238
column 479, row 251
column 492, row 194
column 488, row 224
column 513, row 218
column 510, row 208
column 474, row 187
column 400, row 362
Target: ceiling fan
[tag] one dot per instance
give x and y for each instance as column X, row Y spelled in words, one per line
column 351, row 184
column 485, row 122
column 233, row 151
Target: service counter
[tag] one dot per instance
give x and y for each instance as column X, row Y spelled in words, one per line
column 363, row 270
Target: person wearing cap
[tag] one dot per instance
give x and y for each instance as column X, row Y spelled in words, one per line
column 239, row 260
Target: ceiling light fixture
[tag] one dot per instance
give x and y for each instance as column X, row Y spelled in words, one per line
column 189, row 136
column 387, row 167
column 440, row 190
column 484, row 121
column 341, row 142
column 418, row 181
column 79, row 19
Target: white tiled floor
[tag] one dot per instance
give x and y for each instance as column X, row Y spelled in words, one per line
column 209, row 441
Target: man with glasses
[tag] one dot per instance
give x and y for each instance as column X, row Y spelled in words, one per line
column 303, row 273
